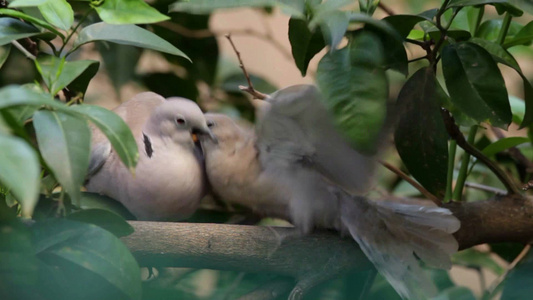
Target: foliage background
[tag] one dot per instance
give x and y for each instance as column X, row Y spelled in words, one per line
column 125, row 71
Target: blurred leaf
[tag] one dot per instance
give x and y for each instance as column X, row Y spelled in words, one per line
column 441, row 278
column 404, row 23
column 170, row 85
column 381, row 289
column 455, row 293
column 523, row 37
column 126, row 35
column 490, row 29
column 64, row 142
column 355, row 89
column 13, row 29
column 504, row 144
column 129, row 12
column 28, row 18
column 472, row 258
column 24, row 3
column 291, row 7
column 4, row 53
column 333, row 26
column 101, row 202
column 475, row 84
column 526, row 5
column 519, row 281
column 90, row 249
column 20, row 171
column 105, row 219
column 120, row 62
column 421, row 138
column 456, row 34
column 116, row 130
column 304, row 43
column 58, row 13
column 395, row 56
column 502, row 8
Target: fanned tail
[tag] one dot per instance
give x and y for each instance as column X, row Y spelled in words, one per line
column 395, row 236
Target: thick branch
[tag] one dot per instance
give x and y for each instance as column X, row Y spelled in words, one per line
column 280, row 250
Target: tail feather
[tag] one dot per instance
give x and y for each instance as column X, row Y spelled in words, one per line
column 396, row 236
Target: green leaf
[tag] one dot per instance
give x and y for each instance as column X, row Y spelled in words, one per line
column 355, row 89
column 404, row 23
column 13, row 29
column 504, row 144
column 472, row 258
column 525, row 5
column 333, row 26
column 455, row 293
column 519, row 280
column 395, row 56
column 4, row 54
column 15, row 95
column 26, row 3
column 304, row 43
column 523, row 37
column 129, row 12
column 64, row 142
column 58, row 13
column 475, row 84
column 81, row 82
column 503, row 56
column 91, row 249
column 101, row 202
column 126, row 35
column 20, row 171
column 28, row 18
column 116, row 130
column 291, row 7
column 490, row 30
column 107, row 220
column 421, row 138
column 58, row 73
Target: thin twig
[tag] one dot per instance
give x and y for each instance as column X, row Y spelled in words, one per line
column 250, row 88
column 24, row 50
column 205, row 33
column 485, row 188
column 412, row 182
column 386, row 9
column 496, row 283
column 456, row 134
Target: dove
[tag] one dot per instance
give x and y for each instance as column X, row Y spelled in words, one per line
column 296, row 165
column 169, row 178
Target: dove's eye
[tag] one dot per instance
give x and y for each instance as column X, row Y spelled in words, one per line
column 180, row 121
column 210, row 124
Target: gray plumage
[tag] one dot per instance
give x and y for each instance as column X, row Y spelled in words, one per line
column 169, row 179
column 295, row 165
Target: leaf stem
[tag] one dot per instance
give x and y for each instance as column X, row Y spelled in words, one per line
column 74, row 31
column 449, row 176
column 480, row 13
column 456, row 134
column 463, row 172
column 505, row 28
column 23, row 50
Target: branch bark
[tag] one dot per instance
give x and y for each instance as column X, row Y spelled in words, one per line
column 285, row 251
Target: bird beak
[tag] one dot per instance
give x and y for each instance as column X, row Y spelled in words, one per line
column 205, row 132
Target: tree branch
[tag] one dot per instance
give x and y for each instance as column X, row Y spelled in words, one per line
column 279, row 249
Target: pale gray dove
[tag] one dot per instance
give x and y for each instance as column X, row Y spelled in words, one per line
column 295, row 165
column 169, row 178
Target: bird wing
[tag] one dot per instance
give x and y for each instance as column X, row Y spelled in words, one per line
column 135, row 113
column 294, row 126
